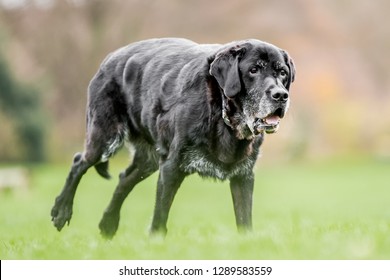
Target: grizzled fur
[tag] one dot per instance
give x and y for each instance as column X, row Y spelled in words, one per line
column 185, row 108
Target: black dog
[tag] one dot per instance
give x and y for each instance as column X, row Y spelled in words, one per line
column 185, row 108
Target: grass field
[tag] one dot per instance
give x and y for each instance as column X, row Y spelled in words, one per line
column 337, row 209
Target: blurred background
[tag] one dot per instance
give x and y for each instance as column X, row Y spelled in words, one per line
column 50, row 49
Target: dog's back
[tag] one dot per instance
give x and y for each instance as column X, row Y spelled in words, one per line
column 142, row 81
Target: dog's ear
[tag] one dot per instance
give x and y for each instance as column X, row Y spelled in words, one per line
column 224, row 68
column 291, row 66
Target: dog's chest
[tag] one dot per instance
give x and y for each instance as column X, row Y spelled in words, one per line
column 196, row 161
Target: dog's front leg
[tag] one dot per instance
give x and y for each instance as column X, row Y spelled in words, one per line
column 242, row 191
column 169, row 181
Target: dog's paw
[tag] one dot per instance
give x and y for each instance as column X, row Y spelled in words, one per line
column 61, row 213
column 109, row 225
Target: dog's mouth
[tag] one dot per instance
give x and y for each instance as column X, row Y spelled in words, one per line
column 269, row 124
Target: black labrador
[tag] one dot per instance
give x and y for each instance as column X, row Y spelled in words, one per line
column 186, row 108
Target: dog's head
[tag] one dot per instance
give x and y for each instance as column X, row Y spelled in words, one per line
column 255, row 78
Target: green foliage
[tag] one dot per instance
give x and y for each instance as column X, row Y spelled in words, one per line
column 22, row 104
column 329, row 210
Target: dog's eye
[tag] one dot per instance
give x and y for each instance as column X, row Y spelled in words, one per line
column 254, row 70
column 283, row 73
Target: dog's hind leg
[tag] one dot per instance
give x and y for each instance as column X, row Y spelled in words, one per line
column 62, row 210
column 142, row 167
column 106, row 132
column 97, row 145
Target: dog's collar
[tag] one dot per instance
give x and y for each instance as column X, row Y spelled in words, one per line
column 224, row 113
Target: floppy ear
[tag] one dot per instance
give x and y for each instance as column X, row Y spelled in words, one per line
column 291, row 66
column 225, row 70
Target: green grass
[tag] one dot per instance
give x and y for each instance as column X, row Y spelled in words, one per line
column 338, row 209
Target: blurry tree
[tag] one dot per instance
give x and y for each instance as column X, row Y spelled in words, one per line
column 20, row 107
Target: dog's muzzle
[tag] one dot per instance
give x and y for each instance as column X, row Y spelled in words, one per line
column 268, row 124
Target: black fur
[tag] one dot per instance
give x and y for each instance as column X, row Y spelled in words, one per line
column 185, row 108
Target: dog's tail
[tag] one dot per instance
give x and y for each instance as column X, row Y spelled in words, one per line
column 102, row 169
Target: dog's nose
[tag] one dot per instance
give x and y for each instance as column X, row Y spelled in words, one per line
column 280, row 96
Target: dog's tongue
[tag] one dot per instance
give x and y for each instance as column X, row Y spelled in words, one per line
column 272, row 120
